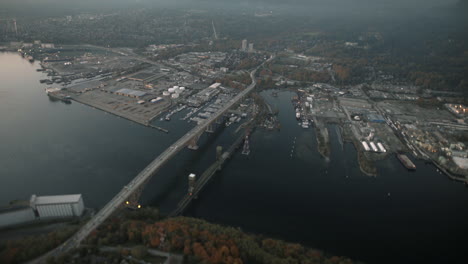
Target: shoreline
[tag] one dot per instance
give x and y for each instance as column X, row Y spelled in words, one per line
column 449, row 174
column 323, row 140
column 146, row 123
column 362, row 160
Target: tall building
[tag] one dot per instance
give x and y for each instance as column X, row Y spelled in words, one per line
column 251, row 48
column 244, row 45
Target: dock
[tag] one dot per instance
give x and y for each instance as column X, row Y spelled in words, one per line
column 59, row 96
column 451, row 176
column 159, row 128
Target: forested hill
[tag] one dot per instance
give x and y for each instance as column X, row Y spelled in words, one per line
column 200, row 241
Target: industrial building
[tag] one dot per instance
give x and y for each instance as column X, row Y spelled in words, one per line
column 203, row 96
column 365, row 145
column 373, row 146
column 57, row 205
column 130, row 93
column 381, row 147
column 42, row 207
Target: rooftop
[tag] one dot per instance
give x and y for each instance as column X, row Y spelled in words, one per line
column 55, row 199
column 131, row 92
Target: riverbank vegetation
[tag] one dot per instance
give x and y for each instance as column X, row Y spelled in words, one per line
column 30, row 247
column 198, row 241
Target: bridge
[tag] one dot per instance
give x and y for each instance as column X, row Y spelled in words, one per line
column 206, row 176
column 137, row 184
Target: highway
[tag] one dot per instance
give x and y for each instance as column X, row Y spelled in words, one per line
column 147, row 173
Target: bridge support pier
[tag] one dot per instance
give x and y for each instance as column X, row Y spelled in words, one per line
column 193, row 144
column 210, row 128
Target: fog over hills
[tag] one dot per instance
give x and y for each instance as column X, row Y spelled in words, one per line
column 182, row 3
column 353, row 8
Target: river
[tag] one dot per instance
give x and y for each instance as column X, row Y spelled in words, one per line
column 49, row 147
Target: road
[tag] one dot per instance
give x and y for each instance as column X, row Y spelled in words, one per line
column 147, row 173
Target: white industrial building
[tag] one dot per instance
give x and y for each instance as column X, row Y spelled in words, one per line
column 39, row 207
column 57, row 205
column 373, row 146
column 215, row 85
column 365, row 145
column 381, row 147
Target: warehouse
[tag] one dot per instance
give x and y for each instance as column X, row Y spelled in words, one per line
column 130, row 93
column 215, row 85
column 58, row 205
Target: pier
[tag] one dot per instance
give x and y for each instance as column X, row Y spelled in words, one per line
column 159, row 128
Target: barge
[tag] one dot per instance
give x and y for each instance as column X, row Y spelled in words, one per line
column 406, row 162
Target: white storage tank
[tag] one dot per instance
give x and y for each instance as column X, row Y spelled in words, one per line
column 171, row 90
column 175, row 96
column 155, row 100
column 57, row 205
column 181, row 88
column 374, row 148
column 365, row 145
column 166, row 93
column 381, row 147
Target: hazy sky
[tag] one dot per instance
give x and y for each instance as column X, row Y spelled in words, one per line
column 316, row 7
column 298, row 2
